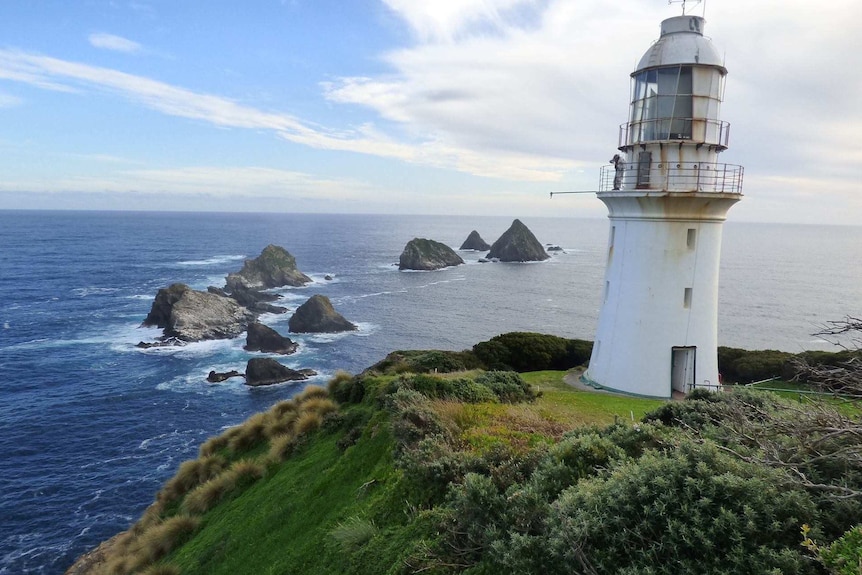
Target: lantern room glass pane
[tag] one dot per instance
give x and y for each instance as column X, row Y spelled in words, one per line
column 662, row 104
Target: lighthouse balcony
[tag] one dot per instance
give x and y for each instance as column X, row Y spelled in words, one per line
column 702, row 131
column 673, row 177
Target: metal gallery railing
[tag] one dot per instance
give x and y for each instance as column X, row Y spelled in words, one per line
column 698, row 130
column 674, row 177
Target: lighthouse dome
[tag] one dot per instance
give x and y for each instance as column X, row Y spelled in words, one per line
column 682, row 42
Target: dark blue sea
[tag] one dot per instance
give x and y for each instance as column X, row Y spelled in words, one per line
column 90, row 425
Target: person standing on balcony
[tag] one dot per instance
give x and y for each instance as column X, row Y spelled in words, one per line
column 619, row 170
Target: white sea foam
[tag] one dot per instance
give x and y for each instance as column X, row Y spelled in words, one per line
column 6, row 325
column 93, row 290
column 141, row 296
column 213, row 261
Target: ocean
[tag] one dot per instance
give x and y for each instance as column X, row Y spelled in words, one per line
column 91, row 426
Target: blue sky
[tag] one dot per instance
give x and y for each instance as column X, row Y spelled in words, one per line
column 404, row 106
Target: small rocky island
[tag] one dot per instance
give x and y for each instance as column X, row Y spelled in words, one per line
column 475, row 242
column 427, row 255
column 274, row 267
column 518, row 244
column 267, row 371
column 265, row 339
column 318, row 316
column 188, row 315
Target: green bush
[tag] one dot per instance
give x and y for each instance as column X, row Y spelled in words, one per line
column 509, row 387
column 743, row 366
column 426, row 361
column 692, row 510
column 844, row 556
column 524, row 351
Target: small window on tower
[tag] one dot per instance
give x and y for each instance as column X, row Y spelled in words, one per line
column 691, row 238
column 607, row 289
column 613, row 233
column 686, row 298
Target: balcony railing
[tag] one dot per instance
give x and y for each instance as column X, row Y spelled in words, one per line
column 675, row 177
column 697, row 130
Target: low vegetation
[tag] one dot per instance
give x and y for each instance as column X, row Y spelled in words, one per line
column 451, row 462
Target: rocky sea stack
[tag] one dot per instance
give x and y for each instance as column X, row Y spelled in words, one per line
column 426, row 255
column 274, row 267
column 518, row 244
column 318, row 316
column 475, row 242
column 190, row 315
column 264, row 338
column 267, row 371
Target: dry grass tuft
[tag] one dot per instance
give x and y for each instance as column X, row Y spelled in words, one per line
column 308, row 421
column 319, row 405
column 190, row 474
column 249, row 434
column 213, row 445
column 162, row 570
column 311, row 392
column 281, row 447
column 205, row 496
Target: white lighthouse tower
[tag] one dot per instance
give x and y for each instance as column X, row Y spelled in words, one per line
column 667, row 200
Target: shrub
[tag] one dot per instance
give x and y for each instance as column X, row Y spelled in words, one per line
column 523, row 351
column 844, row 556
column 690, row 511
column 340, row 387
column 426, row 361
column 507, row 386
column 162, row 570
column 742, row 366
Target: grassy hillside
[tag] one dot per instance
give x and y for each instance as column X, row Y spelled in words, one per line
column 482, row 472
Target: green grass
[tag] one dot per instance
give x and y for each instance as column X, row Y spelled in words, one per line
column 287, row 517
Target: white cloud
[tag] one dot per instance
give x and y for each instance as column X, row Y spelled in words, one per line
column 445, row 20
column 112, row 42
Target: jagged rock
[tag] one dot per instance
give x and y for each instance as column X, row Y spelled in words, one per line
column 274, row 267
column 427, row 255
column 218, row 377
column 475, row 242
column 267, row 371
column 318, row 316
column 191, row 315
column 327, row 277
column 256, row 300
column 265, row 339
column 518, row 244
column 164, row 342
column 307, row 371
column 552, row 248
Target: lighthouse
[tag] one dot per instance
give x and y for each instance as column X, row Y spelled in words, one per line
column 667, row 198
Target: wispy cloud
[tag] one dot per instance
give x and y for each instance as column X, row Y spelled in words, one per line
column 57, row 74
column 112, row 42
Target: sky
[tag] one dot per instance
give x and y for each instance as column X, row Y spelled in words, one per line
column 405, row 106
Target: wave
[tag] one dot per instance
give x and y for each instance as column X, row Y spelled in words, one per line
column 93, row 290
column 213, row 261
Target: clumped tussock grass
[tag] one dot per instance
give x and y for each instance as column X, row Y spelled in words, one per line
column 308, row 421
column 354, row 533
column 249, row 434
column 319, row 405
column 190, row 474
column 281, row 447
column 282, row 408
column 134, row 553
column 205, row 496
column 311, row 392
column 213, row 445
